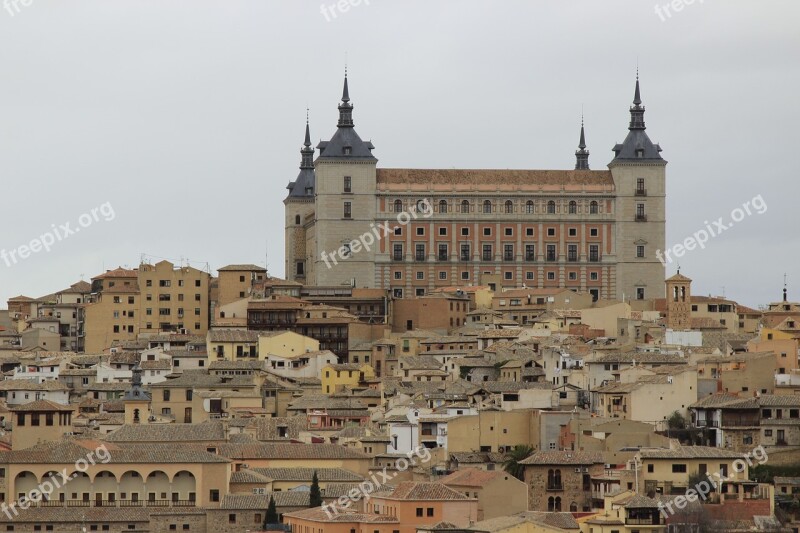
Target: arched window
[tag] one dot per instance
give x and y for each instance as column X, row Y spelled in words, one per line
column 558, row 504
column 551, row 207
column 529, row 207
column 465, row 206
column 398, row 206
column 594, row 208
column 487, row 206
column 573, row 507
column 443, row 206
column 573, row 207
column 297, row 219
column 509, row 206
column 551, row 504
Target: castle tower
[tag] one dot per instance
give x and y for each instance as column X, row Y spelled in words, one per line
column 298, row 215
column 345, row 205
column 639, row 174
column 679, row 302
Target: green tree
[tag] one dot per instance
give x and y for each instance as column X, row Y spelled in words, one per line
column 676, row 421
column 315, row 497
column 272, row 513
column 514, row 458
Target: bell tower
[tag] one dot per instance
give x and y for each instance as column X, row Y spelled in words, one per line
column 679, row 302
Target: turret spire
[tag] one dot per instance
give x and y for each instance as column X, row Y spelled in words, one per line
column 637, row 110
column 345, row 108
column 307, row 152
column 582, row 154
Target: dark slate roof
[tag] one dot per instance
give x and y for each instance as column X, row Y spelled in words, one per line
column 635, row 140
column 361, row 150
column 306, row 179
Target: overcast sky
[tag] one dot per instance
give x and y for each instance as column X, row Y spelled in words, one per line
column 187, row 117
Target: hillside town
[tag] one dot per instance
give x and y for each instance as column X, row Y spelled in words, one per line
column 316, row 409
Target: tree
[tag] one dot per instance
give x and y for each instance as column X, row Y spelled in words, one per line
column 676, row 421
column 514, row 458
column 272, row 513
column 315, row 496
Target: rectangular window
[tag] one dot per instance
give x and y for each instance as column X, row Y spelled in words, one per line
column 348, row 184
column 572, row 252
column 487, row 252
column 551, row 252
column 397, row 252
column 530, row 252
column 640, row 251
column 465, row 252
column 348, row 210
column 678, row 468
column 594, row 253
column 508, row 252
column 442, row 255
column 419, row 254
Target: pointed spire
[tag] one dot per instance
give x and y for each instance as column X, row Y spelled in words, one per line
column 307, row 152
column 345, row 108
column 637, row 109
column 582, row 143
column 582, row 154
column 346, row 90
column 307, row 142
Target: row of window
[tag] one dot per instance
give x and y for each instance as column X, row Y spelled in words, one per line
column 551, row 252
column 508, row 232
column 529, row 275
column 488, row 206
column 165, row 326
column 168, row 283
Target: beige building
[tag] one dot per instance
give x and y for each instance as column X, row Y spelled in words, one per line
column 236, row 282
column 113, row 312
column 667, row 471
column 173, row 299
column 591, row 231
column 498, row 492
column 40, row 421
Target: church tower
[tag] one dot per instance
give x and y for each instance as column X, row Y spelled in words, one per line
column 345, row 205
column 679, row 302
column 639, row 174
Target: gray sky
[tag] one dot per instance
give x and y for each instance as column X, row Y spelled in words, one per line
column 188, row 115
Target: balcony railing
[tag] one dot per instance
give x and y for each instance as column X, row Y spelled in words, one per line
column 641, row 192
column 641, row 218
column 555, row 486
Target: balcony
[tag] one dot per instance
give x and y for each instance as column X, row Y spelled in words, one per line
column 641, row 192
column 397, row 256
column 641, row 218
column 555, row 487
column 419, row 256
